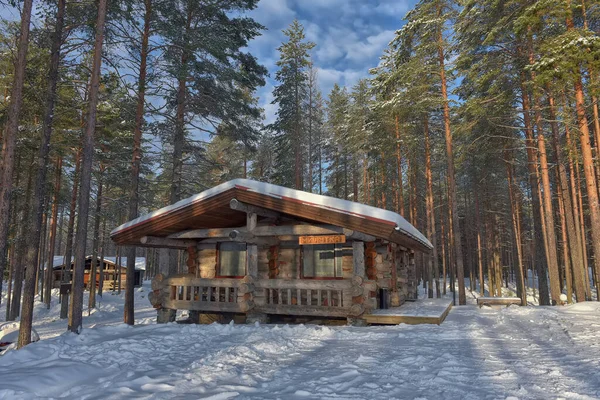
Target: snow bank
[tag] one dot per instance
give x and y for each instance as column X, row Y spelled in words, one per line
column 514, row 352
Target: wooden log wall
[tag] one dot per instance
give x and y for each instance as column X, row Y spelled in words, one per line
column 287, row 261
column 412, row 283
column 273, row 262
column 206, row 256
column 191, row 260
column 383, row 265
column 370, row 254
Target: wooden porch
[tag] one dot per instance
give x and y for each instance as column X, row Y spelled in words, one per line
column 319, row 298
column 426, row 311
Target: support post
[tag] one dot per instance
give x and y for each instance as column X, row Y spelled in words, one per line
column 164, row 315
column 251, row 221
column 252, row 274
column 358, row 253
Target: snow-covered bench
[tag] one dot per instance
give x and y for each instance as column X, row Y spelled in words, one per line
column 498, row 301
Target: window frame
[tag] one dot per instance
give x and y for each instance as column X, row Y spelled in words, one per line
column 218, row 264
column 337, row 258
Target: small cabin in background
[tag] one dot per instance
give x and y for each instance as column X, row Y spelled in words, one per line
column 260, row 252
column 110, row 269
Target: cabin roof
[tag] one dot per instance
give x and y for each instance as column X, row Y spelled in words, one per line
column 210, row 209
column 140, row 262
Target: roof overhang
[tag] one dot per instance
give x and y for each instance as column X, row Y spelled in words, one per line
column 211, row 209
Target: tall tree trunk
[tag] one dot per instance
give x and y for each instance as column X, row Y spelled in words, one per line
column 479, row 248
column 431, row 231
column 569, row 214
column 119, row 272
column 95, row 243
column 497, row 257
column 135, row 163
column 383, row 199
column 444, row 241
column 590, row 177
column 101, row 264
column 577, row 204
column 53, row 225
column 454, row 226
column 66, row 274
column 399, row 168
column 179, row 136
column 60, row 230
column 588, row 162
column 553, row 270
column 22, row 244
column 39, row 262
column 565, row 248
column 539, row 240
column 40, row 184
column 546, row 203
column 409, row 181
column 311, row 94
column 516, row 226
column 9, row 138
column 75, row 322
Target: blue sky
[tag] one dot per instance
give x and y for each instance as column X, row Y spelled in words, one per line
column 350, row 36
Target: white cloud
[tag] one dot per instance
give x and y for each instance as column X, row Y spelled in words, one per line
column 330, row 76
column 350, row 36
column 370, row 48
column 394, row 8
column 270, row 110
column 273, row 13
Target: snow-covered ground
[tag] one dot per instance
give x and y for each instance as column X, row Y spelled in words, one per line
column 516, row 352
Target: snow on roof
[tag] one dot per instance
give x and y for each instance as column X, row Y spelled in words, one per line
column 338, row 205
column 140, row 262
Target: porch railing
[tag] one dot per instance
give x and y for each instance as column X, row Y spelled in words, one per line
column 303, row 297
column 327, row 298
column 219, row 295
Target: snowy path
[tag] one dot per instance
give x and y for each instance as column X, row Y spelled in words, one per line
column 528, row 353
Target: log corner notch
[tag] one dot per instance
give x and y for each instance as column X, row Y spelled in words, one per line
column 159, row 291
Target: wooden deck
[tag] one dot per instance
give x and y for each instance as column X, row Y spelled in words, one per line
column 426, row 311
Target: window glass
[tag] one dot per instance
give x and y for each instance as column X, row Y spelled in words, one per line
column 232, row 259
column 319, row 261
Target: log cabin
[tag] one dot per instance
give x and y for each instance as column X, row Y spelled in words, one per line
column 261, row 251
column 109, row 268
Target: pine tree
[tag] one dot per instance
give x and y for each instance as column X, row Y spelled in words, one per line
column 290, row 95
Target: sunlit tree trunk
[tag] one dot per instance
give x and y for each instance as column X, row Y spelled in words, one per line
column 9, row 138
column 95, row 243
column 400, row 193
column 22, row 245
column 569, row 210
column 516, row 226
column 136, row 161
column 454, row 226
column 76, row 306
column 588, row 162
column 52, row 238
column 65, row 275
column 40, row 185
column 540, row 245
column 101, row 262
column 431, row 231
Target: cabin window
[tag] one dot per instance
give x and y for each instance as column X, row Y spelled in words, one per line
column 321, row 261
column 232, row 259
